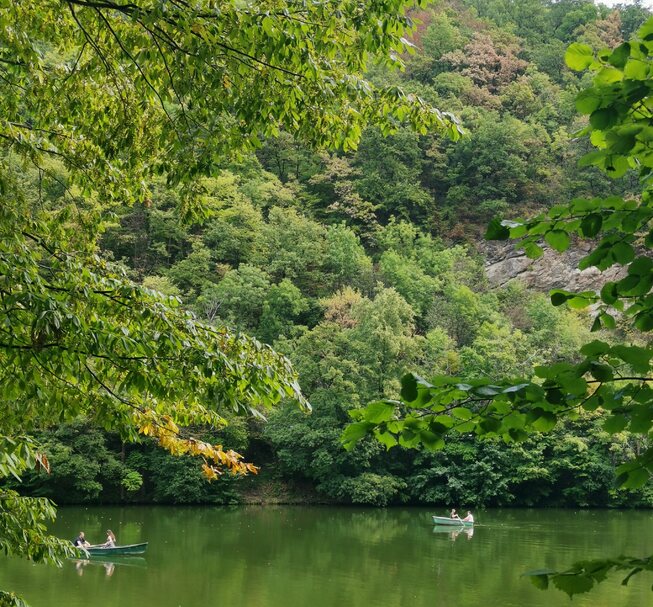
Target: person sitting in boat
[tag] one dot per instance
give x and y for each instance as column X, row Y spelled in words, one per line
column 469, row 518
column 454, row 514
column 111, row 540
column 80, row 541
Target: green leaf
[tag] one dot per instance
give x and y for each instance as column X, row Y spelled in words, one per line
column 595, row 157
column 487, row 391
column 545, row 422
column 532, row 250
column 588, row 101
column 431, row 441
column 268, row 25
column 466, row 427
column 608, row 320
column 490, row 425
column 601, row 372
column 580, row 301
column 616, row 166
column 559, row 297
column 637, row 357
column 497, row 231
column 644, row 321
column 354, row 432
column 620, row 142
column 604, row 118
column 540, row 581
column 441, row 423
column 409, row 388
column 609, row 293
column 590, row 226
column 646, row 29
column 615, row 423
column 608, row 75
column 620, row 55
column 641, row 266
column 641, row 419
column 591, row 404
column 633, row 479
column 623, row 253
column 461, row 413
column 409, row 439
column 579, row 57
column 573, row 584
column 576, row 386
column 558, row 239
column 377, row 412
column 636, row 69
column 516, row 388
column 387, row 439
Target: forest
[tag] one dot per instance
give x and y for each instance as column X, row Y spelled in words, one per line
column 366, row 262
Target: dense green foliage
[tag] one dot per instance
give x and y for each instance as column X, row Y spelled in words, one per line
column 357, row 265
column 332, row 259
column 100, row 99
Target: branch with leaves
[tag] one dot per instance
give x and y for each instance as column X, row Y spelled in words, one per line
column 174, row 87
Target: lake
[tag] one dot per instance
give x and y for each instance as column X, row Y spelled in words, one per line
column 291, row 556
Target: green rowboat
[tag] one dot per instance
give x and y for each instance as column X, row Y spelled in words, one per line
column 105, row 551
column 451, row 522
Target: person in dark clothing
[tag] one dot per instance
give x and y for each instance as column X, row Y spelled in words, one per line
column 80, row 541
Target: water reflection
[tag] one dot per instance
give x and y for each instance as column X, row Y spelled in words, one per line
column 454, row 533
column 109, row 565
column 324, row 556
column 79, row 566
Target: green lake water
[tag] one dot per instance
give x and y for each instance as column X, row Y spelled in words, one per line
column 322, row 556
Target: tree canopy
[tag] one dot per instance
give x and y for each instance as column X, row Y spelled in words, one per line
column 126, row 89
column 102, row 97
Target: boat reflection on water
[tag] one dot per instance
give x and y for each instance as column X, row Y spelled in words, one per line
column 109, row 564
column 454, row 533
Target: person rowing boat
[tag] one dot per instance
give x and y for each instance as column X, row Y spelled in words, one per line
column 80, row 541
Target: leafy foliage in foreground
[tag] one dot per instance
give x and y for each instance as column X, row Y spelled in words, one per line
column 174, row 87
column 121, row 92
column 582, row 576
column 79, row 337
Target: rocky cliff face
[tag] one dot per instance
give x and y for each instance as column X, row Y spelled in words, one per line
column 551, row 271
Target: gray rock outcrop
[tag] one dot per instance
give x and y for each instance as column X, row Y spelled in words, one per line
column 553, row 270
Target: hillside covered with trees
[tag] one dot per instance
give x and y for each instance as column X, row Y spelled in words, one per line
column 360, row 265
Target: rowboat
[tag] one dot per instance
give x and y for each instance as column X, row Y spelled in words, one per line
column 451, row 522
column 115, row 550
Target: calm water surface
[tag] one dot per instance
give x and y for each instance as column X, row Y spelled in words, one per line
column 321, row 556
